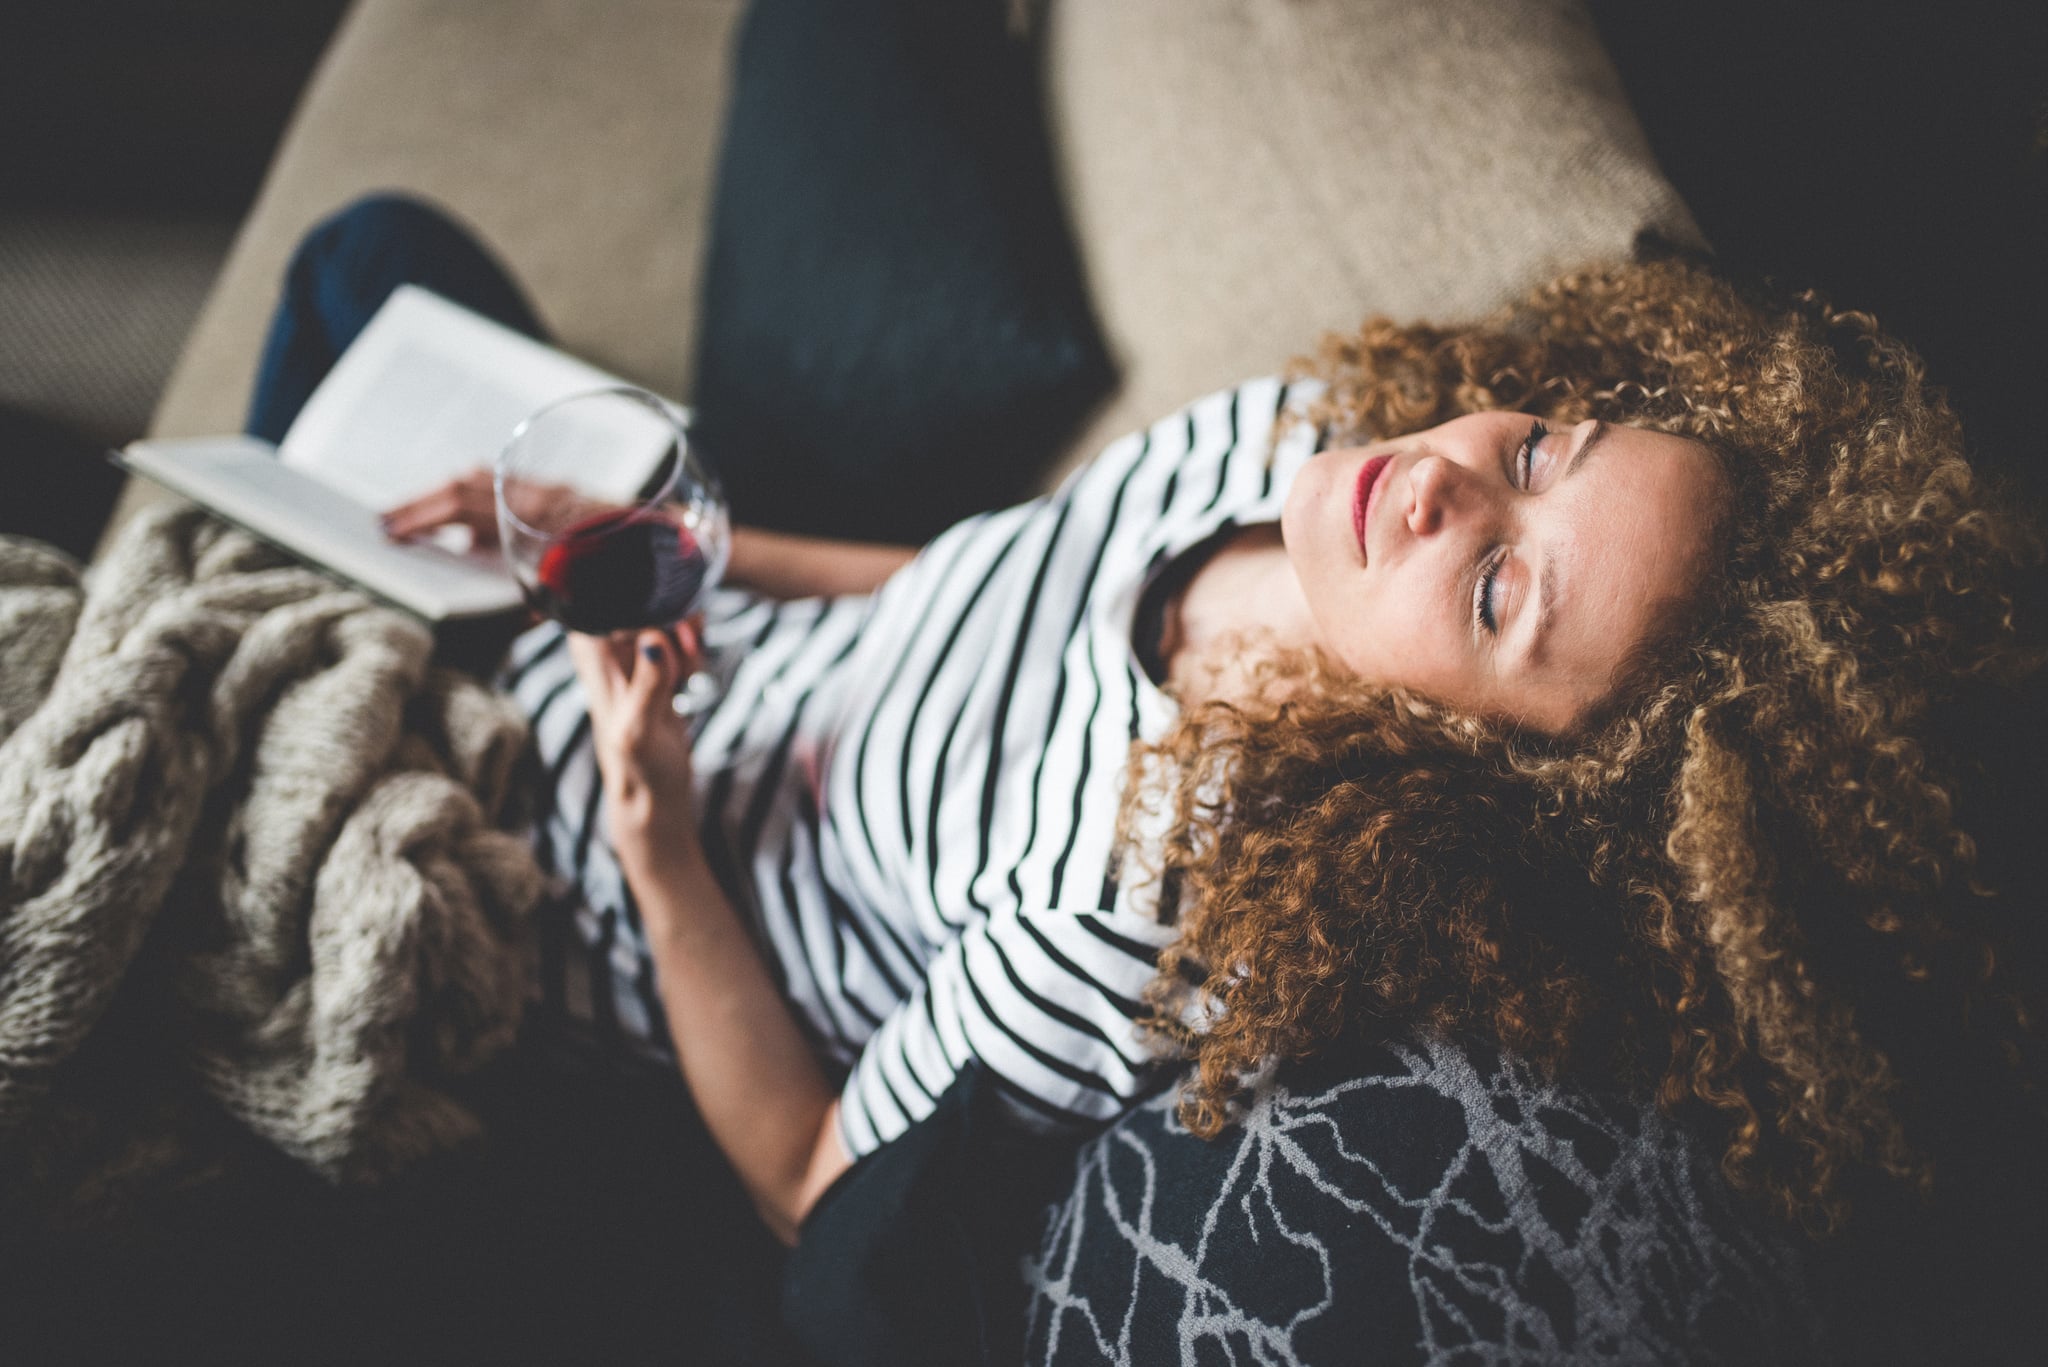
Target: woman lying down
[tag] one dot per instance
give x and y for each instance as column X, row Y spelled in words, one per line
column 1615, row 679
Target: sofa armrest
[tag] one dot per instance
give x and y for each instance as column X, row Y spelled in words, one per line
column 579, row 143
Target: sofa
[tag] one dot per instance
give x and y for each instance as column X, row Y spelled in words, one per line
column 1392, row 146
column 1237, row 177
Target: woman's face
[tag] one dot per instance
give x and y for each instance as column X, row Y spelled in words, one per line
column 1497, row 565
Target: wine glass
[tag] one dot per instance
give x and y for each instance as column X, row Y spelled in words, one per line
column 609, row 520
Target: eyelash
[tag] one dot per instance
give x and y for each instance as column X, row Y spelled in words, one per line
column 1525, row 459
column 1482, row 596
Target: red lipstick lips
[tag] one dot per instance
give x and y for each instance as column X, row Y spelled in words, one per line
column 1361, row 497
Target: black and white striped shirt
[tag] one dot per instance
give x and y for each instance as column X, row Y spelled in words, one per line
column 913, row 795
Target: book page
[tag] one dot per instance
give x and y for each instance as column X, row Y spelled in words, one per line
column 429, row 390
column 241, row 479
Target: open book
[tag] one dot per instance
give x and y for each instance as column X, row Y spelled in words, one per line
column 427, row 391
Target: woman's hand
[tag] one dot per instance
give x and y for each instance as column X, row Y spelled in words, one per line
column 751, row 1072
column 468, row 500
column 471, row 500
column 642, row 746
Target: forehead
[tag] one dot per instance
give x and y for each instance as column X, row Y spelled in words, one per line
column 1619, row 546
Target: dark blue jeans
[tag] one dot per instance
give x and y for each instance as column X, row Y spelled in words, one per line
column 340, row 276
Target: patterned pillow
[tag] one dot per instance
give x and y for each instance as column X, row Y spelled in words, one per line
column 1429, row 1203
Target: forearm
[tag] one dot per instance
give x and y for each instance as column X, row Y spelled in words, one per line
column 752, row 1075
column 782, row 565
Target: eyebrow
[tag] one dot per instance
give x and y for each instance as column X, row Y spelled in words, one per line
column 1546, row 578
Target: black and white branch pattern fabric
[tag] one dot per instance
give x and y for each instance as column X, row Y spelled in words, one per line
column 1430, row 1203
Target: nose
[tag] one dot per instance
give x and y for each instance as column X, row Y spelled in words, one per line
column 1436, row 494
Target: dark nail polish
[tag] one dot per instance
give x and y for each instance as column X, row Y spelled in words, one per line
column 652, row 652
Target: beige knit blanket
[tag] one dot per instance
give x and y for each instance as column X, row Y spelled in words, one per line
column 250, row 867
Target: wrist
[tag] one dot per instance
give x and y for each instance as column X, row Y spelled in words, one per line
column 681, row 903
column 661, row 854
column 740, row 557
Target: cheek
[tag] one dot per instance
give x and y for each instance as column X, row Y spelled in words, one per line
column 1311, row 486
column 1332, row 610
column 1388, row 638
column 1293, row 530
column 1327, row 578
column 1353, row 636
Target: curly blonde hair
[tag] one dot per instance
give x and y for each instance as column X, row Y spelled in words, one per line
column 1754, row 883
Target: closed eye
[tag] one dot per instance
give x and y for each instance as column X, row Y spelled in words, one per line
column 1525, row 455
column 1484, row 609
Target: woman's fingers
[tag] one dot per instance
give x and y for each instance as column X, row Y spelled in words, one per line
column 624, row 648
column 597, row 667
column 632, row 672
column 636, row 674
column 466, row 500
column 654, row 677
column 642, row 746
column 559, row 504
column 689, row 639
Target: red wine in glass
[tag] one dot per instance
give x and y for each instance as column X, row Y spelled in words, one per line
column 609, row 521
column 620, row 570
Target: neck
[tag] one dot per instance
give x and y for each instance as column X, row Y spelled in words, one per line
column 1246, row 597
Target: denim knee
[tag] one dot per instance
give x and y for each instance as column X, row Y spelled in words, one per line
column 351, row 261
column 342, row 272
column 381, row 230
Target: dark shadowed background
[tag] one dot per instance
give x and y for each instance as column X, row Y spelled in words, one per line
column 135, row 135
column 1894, row 155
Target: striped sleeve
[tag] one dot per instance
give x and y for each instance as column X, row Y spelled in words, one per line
column 1046, row 1000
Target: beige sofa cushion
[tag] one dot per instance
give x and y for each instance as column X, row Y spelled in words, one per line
column 1243, row 175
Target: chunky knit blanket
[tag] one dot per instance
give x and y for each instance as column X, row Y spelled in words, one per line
column 252, row 874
